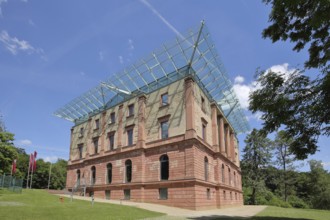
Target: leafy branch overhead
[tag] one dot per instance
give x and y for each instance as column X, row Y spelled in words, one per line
column 293, row 100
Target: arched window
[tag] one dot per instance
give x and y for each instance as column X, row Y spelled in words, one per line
column 128, row 169
column 93, row 177
column 229, row 176
column 78, row 177
column 206, row 168
column 164, row 167
column 223, row 173
column 109, row 173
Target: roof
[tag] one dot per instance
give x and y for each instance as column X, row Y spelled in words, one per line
column 193, row 54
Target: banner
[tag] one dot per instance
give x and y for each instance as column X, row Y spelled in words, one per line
column 13, row 167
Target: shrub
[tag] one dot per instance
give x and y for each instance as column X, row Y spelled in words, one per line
column 296, row 202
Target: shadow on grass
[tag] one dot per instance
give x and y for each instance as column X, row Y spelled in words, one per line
column 221, row 217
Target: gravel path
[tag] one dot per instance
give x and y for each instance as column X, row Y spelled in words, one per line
column 178, row 213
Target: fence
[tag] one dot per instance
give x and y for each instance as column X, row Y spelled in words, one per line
column 11, row 183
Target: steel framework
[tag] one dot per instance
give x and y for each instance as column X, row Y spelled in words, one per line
column 193, row 54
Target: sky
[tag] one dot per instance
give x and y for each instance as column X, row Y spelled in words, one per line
column 53, row 51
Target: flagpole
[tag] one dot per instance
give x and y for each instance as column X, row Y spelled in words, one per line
column 31, row 178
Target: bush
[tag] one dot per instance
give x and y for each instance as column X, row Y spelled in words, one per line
column 296, row 202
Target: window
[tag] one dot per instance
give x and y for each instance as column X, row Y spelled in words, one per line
column 164, row 167
column 80, row 149
column 235, row 196
column 203, row 104
column 93, row 176
column 78, row 177
column 208, row 193
column 109, row 173
column 223, row 173
column 229, row 176
column 112, row 118
column 127, row 194
column 96, row 145
column 107, row 194
column 128, row 169
column 163, row 193
column 129, row 136
column 112, row 141
column 206, row 168
column 164, row 129
column 224, row 194
column 130, row 110
column 81, row 132
column 97, row 123
column 164, row 99
column 231, row 196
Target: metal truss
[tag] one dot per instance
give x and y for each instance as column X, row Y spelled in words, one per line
column 194, row 54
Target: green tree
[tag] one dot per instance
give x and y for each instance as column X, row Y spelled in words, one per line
column 300, row 104
column 284, row 159
column 319, row 185
column 8, row 152
column 256, row 156
column 58, row 177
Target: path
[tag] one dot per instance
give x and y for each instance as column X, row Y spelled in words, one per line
column 178, row 213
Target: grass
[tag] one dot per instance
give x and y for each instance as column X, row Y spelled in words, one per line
column 276, row 213
column 38, row 204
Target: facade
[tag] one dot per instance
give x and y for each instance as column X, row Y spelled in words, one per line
column 169, row 143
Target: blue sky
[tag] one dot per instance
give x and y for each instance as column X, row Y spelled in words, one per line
column 53, row 51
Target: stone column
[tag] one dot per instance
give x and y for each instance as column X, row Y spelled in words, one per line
column 222, row 136
column 103, row 134
column 215, row 130
column 190, row 108
column 141, row 122
column 232, row 147
column 120, row 127
column 227, row 141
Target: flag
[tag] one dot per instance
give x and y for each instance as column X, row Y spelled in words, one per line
column 35, row 161
column 13, row 168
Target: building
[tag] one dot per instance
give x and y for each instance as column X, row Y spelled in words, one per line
column 161, row 131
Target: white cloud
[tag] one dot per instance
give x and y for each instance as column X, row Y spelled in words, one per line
column 1, row 2
column 130, row 44
column 281, row 69
column 51, row 159
column 121, row 59
column 239, row 79
column 24, row 142
column 14, row 45
column 326, row 164
column 31, row 23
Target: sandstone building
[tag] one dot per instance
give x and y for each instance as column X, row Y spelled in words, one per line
column 161, row 131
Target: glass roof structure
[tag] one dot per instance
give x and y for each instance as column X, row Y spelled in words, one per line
column 193, row 54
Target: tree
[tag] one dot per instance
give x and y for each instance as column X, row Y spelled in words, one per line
column 256, row 156
column 58, row 177
column 304, row 22
column 297, row 102
column 319, row 185
column 284, row 158
column 7, row 151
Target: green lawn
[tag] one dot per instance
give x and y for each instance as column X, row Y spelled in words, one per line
column 276, row 213
column 38, row 204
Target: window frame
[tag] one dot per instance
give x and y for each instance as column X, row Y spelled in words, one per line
column 111, row 137
column 130, row 110
column 93, row 175
column 206, row 168
column 128, row 171
column 164, row 167
column 166, row 101
column 96, row 145
column 109, row 177
column 80, row 150
column 164, row 134
column 97, row 124
column 163, row 193
column 112, row 118
column 130, row 136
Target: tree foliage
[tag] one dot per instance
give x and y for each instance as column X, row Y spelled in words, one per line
column 299, row 103
column 256, row 156
column 303, row 22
